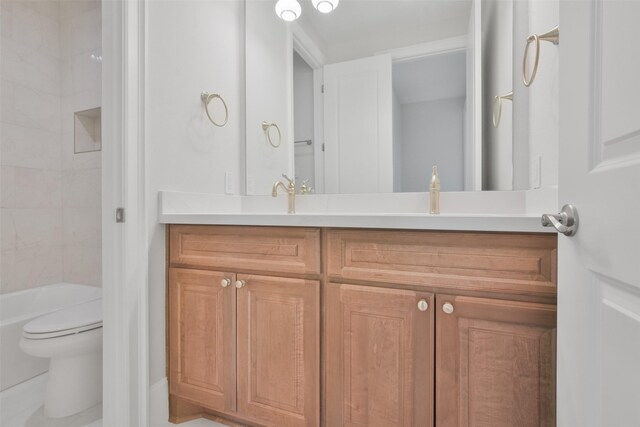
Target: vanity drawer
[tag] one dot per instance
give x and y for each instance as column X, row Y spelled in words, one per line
column 513, row 263
column 246, row 249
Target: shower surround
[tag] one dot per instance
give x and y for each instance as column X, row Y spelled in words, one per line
column 50, row 197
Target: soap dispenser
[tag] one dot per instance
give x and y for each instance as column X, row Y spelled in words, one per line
column 434, row 192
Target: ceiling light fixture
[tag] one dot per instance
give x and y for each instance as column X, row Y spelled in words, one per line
column 325, row 6
column 288, row 10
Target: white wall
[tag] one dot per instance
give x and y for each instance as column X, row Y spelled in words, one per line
column 531, row 121
column 432, row 134
column 429, row 121
column 544, row 94
column 303, row 117
column 397, row 143
column 192, row 46
column 497, row 71
column 521, row 163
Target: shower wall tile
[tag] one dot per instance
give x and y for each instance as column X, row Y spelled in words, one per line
column 7, row 282
column 82, row 189
column 88, row 160
column 29, row 25
column 31, row 188
column 82, row 90
column 33, row 228
column 6, row 23
column 49, row 8
column 70, row 104
column 31, row 145
column 82, row 263
column 30, row 148
column 82, row 73
column 78, row 98
column 70, row 9
column 72, row 161
column 38, row 70
column 7, row 233
column 81, row 225
column 29, row 107
column 50, row 199
column 28, row 274
column 6, row 185
column 21, row 271
column 79, row 33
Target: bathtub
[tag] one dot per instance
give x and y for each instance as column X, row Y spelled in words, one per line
column 18, row 308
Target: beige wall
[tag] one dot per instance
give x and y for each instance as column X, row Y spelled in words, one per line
column 81, row 173
column 49, row 198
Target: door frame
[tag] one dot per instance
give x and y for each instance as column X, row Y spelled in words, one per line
column 124, row 251
column 304, row 45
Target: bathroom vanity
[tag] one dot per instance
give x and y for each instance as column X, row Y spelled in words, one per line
column 310, row 326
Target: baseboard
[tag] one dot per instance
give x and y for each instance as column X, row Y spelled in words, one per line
column 159, row 403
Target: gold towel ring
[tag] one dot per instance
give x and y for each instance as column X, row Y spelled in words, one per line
column 206, row 98
column 265, row 127
column 552, row 36
column 497, row 107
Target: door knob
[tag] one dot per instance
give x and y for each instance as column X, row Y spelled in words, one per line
column 225, row 282
column 240, row 284
column 447, row 308
column 423, row 305
column 566, row 222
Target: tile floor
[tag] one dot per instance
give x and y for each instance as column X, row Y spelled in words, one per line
column 21, row 406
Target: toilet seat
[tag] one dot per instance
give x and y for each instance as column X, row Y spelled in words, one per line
column 67, row 321
column 71, row 338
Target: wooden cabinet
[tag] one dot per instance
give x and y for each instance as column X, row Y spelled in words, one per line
column 278, row 250
column 495, row 362
column 419, row 328
column 507, row 263
column 243, row 346
column 279, row 350
column 495, row 350
column 378, row 356
column 202, row 334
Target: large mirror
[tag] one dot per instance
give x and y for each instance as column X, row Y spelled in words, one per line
column 368, row 97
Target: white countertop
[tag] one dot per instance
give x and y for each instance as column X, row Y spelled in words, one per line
column 511, row 223
column 497, row 211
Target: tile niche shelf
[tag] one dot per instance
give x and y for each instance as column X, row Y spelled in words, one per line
column 87, row 130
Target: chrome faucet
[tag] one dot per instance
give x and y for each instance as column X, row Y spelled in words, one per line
column 291, row 193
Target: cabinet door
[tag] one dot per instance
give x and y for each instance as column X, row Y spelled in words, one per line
column 495, row 362
column 278, row 350
column 202, row 337
column 379, row 356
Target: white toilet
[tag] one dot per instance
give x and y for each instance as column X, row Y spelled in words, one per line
column 72, row 339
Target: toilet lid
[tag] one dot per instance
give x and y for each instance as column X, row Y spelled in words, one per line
column 72, row 319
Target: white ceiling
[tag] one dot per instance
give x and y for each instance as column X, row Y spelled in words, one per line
column 431, row 78
column 359, row 28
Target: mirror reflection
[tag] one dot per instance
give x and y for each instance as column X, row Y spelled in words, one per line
column 369, row 96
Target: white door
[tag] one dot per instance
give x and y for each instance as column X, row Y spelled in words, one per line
column 358, row 126
column 599, row 267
